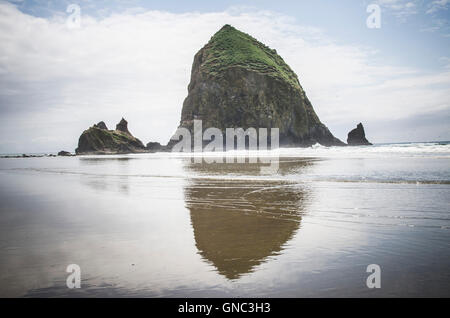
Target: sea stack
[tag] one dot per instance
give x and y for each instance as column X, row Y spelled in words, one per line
column 357, row 137
column 237, row 81
column 99, row 140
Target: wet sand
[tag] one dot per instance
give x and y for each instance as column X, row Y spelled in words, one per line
column 158, row 225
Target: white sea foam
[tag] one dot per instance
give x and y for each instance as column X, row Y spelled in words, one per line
column 427, row 149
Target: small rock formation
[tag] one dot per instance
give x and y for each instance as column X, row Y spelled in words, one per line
column 357, row 137
column 153, row 146
column 237, row 81
column 157, row 147
column 123, row 126
column 99, row 140
column 27, row 156
column 101, row 125
column 65, row 153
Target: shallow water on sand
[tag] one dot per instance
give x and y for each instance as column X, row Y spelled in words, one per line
column 162, row 225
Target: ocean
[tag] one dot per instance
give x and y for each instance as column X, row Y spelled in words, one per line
column 167, row 225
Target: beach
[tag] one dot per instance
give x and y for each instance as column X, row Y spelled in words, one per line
column 164, row 225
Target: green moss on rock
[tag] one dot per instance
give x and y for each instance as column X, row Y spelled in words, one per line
column 236, row 81
column 230, row 47
column 97, row 140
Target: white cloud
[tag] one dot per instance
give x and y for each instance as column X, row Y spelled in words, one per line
column 438, row 5
column 55, row 82
column 402, row 9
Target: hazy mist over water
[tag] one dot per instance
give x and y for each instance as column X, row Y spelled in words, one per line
column 162, row 225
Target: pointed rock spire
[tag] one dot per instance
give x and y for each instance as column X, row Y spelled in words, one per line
column 237, row 81
column 101, row 125
column 123, row 126
column 357, row 137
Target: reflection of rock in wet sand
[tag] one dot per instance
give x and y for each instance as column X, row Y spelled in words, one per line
column 116, row 180
column 239, row 223
column 286, row 166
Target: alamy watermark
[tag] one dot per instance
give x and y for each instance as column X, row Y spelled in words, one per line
column 74, row 19
column 374, row 19
column 74, row 279
column 374, row 279
column 240, row 145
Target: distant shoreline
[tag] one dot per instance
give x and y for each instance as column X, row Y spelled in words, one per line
column 54, row 154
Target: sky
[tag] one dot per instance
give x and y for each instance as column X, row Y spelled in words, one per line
column 132, row 59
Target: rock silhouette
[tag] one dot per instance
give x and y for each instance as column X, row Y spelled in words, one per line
column 357, row 137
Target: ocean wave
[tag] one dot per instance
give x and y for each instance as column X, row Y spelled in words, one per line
column 427, row 149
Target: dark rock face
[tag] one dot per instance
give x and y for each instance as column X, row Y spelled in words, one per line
column 357, row 137
column 123, row 126
column 64, row 153
column 154, row 146
column 237, row 81
column 101, row 125
column 96, row 140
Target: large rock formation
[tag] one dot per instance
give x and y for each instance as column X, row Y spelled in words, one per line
column 99, row 140
column 357, row 137
column 237, row 81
